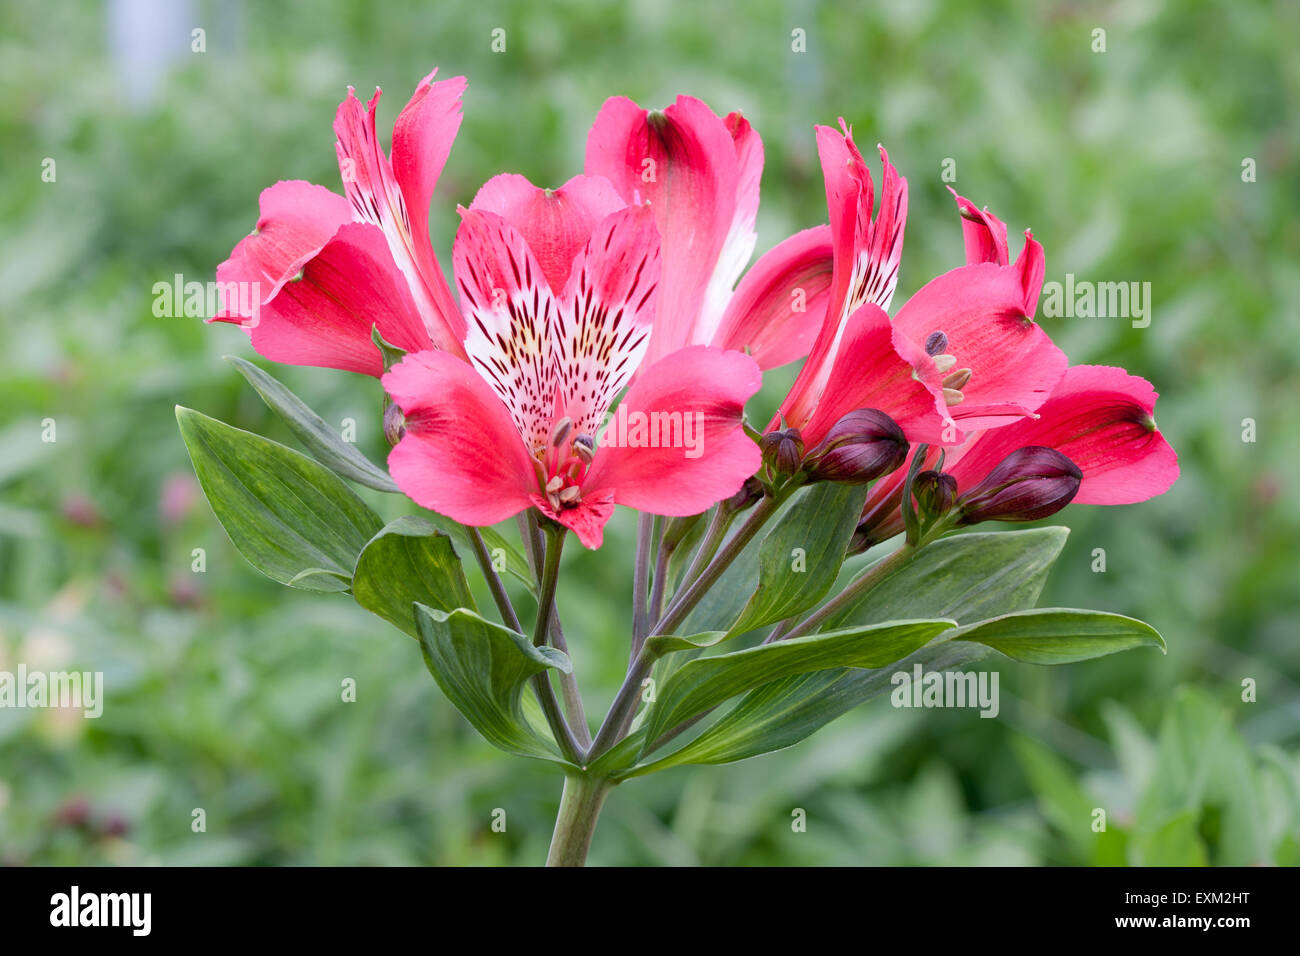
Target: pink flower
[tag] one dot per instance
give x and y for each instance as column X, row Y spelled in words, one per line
column 967, row 337
column 326, row 268
column 700, row 173
column 558, row 289
column 1101, row 418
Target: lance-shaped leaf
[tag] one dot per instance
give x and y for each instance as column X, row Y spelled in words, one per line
column 284, row 512
column 409, row 561
column 1059, row 635
column 948, row 579
column 968, row 577
column 783, row 712
column 801, row 556
column 704, row 683
column 316, row 435
column 482, row 667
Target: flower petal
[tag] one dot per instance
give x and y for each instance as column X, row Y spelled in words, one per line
column 684, row 162
column 555, row 223
column 780, row 305
column 877, row 368
column 1099, row 417
column 606, row 313
column 586, row 520
column 984, row 233
column 511, row 314
column 980, row 308
column 674, row 445
column 325, row 317
column 295, row 220
column 401, row 207
column 461, row 455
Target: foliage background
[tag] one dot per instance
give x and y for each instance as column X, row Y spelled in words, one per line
column 223, row 688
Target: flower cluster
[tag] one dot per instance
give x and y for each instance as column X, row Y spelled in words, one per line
column 627, row 286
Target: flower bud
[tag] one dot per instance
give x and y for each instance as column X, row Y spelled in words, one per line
column 1030, row 483
column 935, row 492
column 860, row 447
column 782, row 451
column 394, row 424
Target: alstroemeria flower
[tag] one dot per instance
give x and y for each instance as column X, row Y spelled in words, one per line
column 1100, row 417
column 558, row 290
column 328, row 268
column 700, row 173
column 967, row 337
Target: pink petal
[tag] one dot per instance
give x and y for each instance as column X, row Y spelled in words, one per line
column 606, row 313
column 980, row 308
column 876, row 368
column 761, row 315
column 295, row 220
column 555, row 223
column 1099, row 417
column 511, row 312
column 684, row 162
column 739, row 244
column 1032, row 267
column 985, row 234
column 461, row 455
column 587, row 520
column 866, row 253
column 401, row 207
column 325, row 317
column 705, row 388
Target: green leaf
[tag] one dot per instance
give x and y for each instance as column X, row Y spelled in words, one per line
column 392, row 354
column 702, row 684
column 482, row 667
column 1059, row 635
column 783, row 712
column 285, row 513
column 967, row 577
column 410, row 561
column 817, row 527
column 662, row 644
column 324, row 443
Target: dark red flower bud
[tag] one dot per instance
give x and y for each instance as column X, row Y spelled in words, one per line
column 783, row 451
column 1030, row 483
column 860, row 447
column 935, row 492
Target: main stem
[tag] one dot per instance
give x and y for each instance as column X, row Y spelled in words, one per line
column 576, row 822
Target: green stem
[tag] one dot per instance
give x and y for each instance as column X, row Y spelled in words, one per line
column 542, row 680
column 691, row 594
column 577, row 714
column 873, row 576
column 641, row 579
column 576, row 822
column 498, row 589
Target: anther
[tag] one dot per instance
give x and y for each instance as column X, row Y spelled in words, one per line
column 953, row 397
column 561, row 431
column 944, row 362
column 958, row 379
column 554, row 485
column 935, row 343
column 584, row 446
column 570, row 495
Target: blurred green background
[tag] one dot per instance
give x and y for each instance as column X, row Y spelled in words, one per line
column 223, row 687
